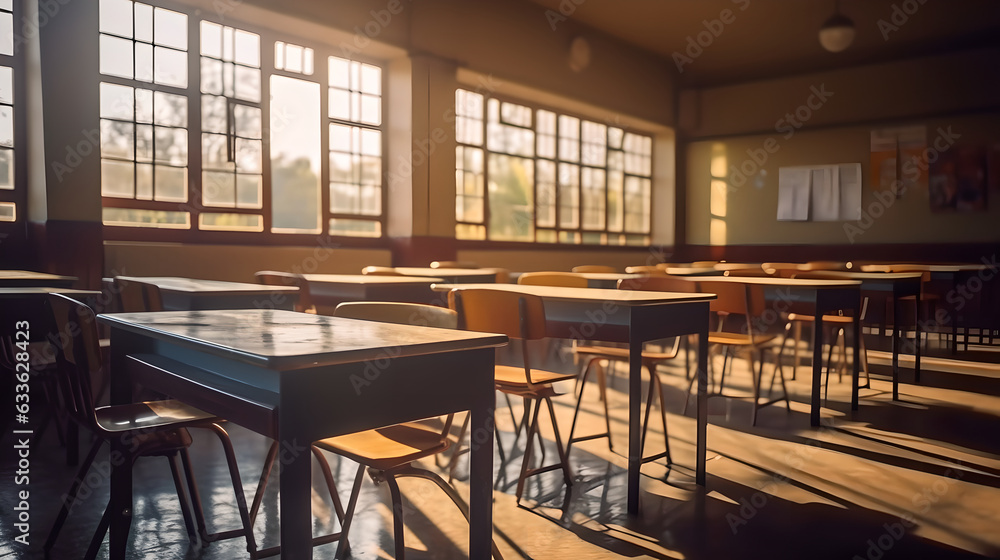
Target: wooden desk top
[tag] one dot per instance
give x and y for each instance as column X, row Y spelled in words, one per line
column 30, row 275
column 620, row 297
column 782, row 282
column 452, row 272
column 692, row 271
column 862, row 276
column 369, row 279
column 194, row 285
column 285, row 340
column 608, row 276
column 40, row 291
column 886, row 268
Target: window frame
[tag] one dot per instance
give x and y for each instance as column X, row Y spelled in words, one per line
column 556, row 160
column 19, row 194
column 195, row 205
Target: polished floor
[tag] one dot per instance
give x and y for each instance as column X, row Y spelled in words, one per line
column 917, row 478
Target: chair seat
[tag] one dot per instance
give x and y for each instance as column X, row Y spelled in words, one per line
column 147, row 415
column 738, row 339
column 385, row 448
column 839, row 319
column 618, row 353
column 511, row 376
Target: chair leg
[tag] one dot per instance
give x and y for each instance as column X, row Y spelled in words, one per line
column 657, row 385
column 102, row 529
column 453, row 461
column 397, row 516
column 70, row 498
column 331, row 485
column 576, row 411
column 265, row 474
column 241, row 500
column 563, row 460
column 756, row 378
column 527, row 451
column 798, row 342
column 349, row 514
column 182, row 495
column 410, row 470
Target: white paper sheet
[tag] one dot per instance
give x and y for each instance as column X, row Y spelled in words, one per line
column 850, row 191
column 793, row 193
column 825, row 193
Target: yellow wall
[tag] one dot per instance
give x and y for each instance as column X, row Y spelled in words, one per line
column 958, row 91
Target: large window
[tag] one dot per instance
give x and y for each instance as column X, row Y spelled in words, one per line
column 11, row 196
column 265, row 134
column 531, row 174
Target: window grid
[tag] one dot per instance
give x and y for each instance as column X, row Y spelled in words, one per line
column 591, row 182
column 226, row 185
column 10, row 194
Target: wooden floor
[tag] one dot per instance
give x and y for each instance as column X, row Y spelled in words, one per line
column 919, row 478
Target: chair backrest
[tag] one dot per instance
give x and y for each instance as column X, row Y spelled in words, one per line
column 562, row 279
column 276, row 278
column 736, row 298
column 499, row 311
column 519, row 316
column 825, row 265
column 137, row 296
column 454, row 264
column 380, row 271
column 401, row 313
column 78, row 356
column 594, row 268
column 659, row 284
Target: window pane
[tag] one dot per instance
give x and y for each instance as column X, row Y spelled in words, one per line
column 231, row 222
column 247, row 121
column 170, row 28
column 116, row 56
column 355, row 228
column 146, row 218
column 218, row 189
column 569, row 195
column 8, row 212
column 6, row 169
column 169, row 109
column 295, row 157
column 511, row 192
column 117, row 139
column 144, row 181
column 6, row 85
column 248, row 191
column 171, row 145
column 144, row 23
column 116, row 102
column 116, row 17
column 247, row 48
column 248, row 84
column 144, row 62
column 171, row 183
column 170, row 67
column 211, row 76
column 117, row 178
column 213, row 114
column 211, row 39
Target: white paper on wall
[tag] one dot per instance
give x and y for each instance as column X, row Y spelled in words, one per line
column 850, row 191
column 793, row 193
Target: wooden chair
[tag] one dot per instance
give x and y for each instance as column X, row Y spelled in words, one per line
column 276, row 278
column 137, row 296
column 747, row 301
column 454, row 264
column 380, row 271
column 594, row 268
column 388, row 453
column 562, row 279
column 520, row 317
column 156, row 428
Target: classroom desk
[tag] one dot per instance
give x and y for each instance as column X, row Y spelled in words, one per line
column 452, row 275
column 331, row 289
column 298, row 378
column 183, row 294
column 955, row 274
column 27, row 278
column 692, row 271
column 899, row 285
column 606, row 280
column 825, row 296
column 632, row 317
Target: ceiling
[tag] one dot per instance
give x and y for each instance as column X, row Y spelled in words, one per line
column 770, row 38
